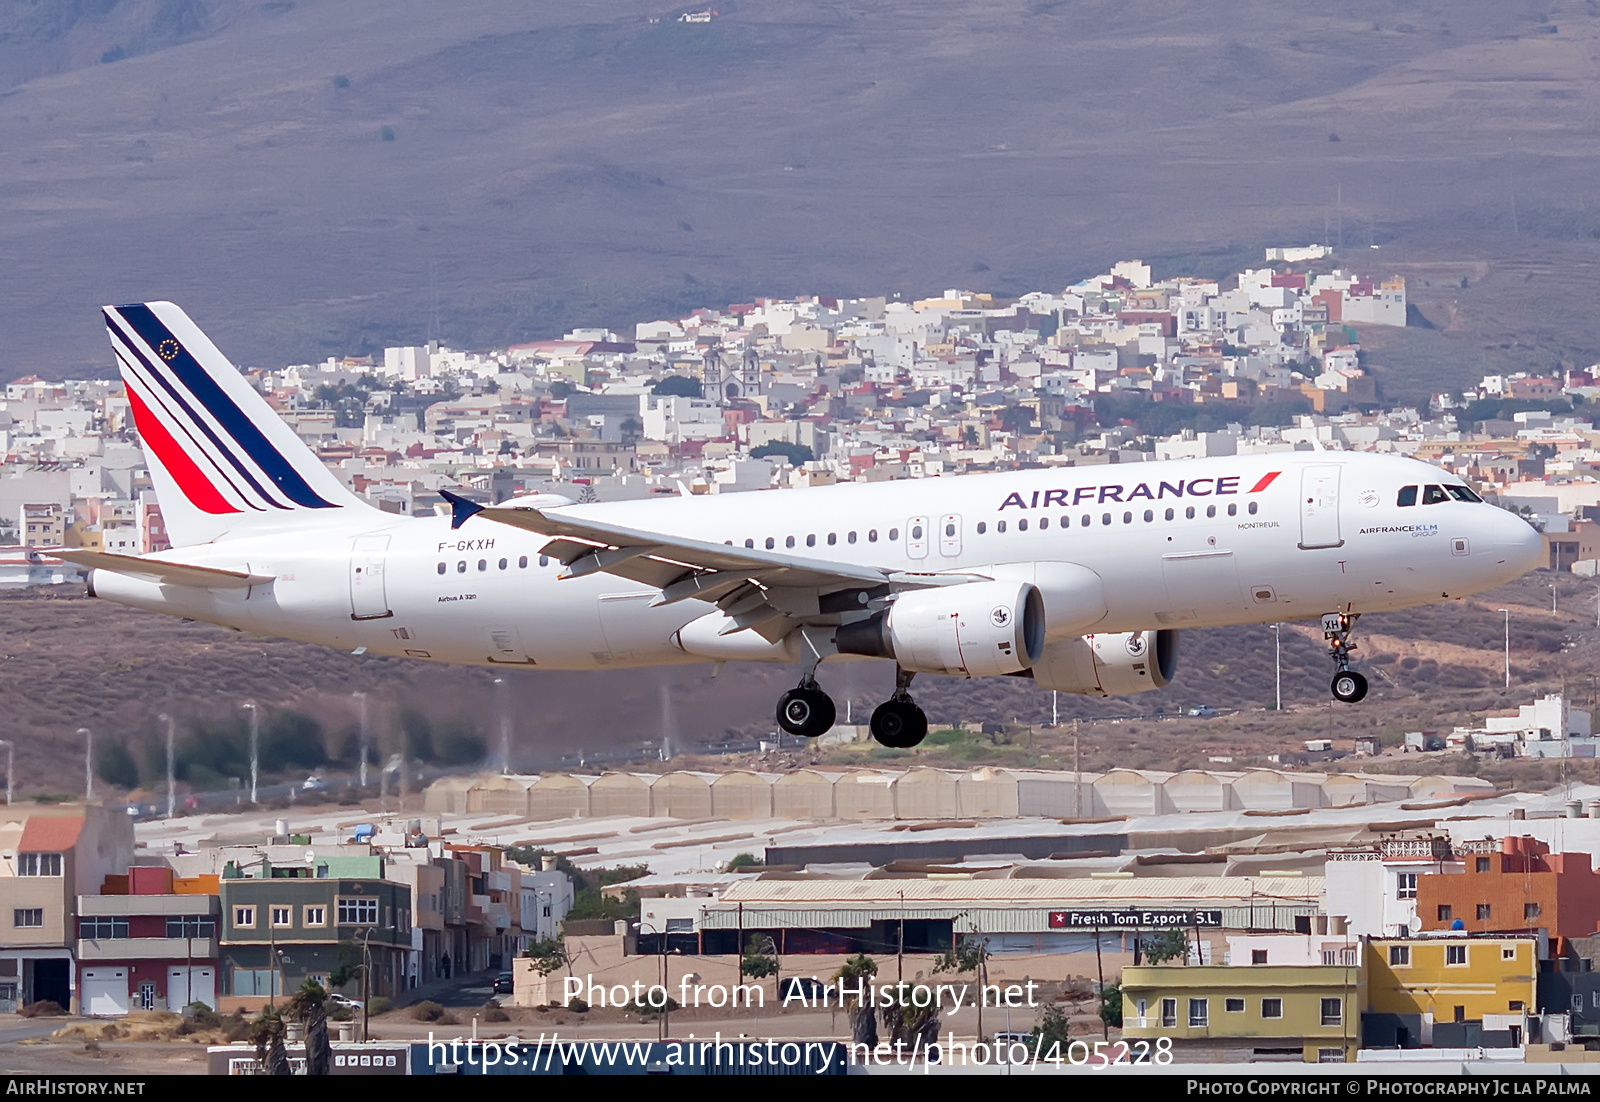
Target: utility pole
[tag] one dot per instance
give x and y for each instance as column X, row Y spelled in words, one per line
column 255, row 745
column 11, row 768
column 172, row 786
column 1055, row 714
column 900, row 943
column 1100, row 974
column 88, row 763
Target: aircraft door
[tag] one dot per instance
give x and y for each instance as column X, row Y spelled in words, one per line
column 950, row 534
column 917, row 537
column 369, row 598
column 1319, row 506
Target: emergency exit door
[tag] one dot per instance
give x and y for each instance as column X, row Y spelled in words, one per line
column 369, row 599
column 1319, row 506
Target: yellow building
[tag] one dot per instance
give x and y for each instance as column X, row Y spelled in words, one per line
column 1241, row 1013
column 1449, row 991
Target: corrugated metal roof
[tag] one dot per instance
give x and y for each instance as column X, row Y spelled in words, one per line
column 1160, row 891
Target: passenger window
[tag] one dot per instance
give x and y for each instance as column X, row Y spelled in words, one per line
column 1065, row 522
column 1170, row 514
column 1189, row 513
column 982, row 528
column 789, row 542
column 461, row 567
column 1433, row 495
column 872, row 535
column 522, row 563
column 1084, row 523
column 1233, row 509
column 1461, row 493
column 1105, row 518
column 441, row 568
column 502, row 564
column 811, row 540
column 1252, row 509
column 833, row 538
column 1022, row 525
column 894, row 533
column 1044, row 522
column 1127, row 518
column 771, row 543
column 950, row 529
column 483, row 564
column 1000, row 526
column 1211, row 510
column 851, row 538
column 750, row 544
column 1149, row 515
column 1407, row 498
column 544, row 560
column 916, row 532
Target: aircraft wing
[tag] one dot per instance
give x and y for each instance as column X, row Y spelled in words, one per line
column 753, row 586
column 170, row 573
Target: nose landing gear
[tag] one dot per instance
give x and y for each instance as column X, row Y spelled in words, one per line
column 898, row 723
column 1348, row 685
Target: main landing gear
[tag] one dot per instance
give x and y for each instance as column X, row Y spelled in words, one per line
column 807, row 711
column 1348, row 685
column 898, row 723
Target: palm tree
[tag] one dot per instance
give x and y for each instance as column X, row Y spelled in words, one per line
column 859, row 970
column 310, row 1006
column 267, row 1032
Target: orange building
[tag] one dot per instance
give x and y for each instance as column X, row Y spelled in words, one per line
column 1521, row 888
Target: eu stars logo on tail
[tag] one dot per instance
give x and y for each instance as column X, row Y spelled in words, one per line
column 221, row 459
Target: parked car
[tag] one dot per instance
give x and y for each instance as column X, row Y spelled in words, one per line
column 1202, row 711
column 345, row 1001
column 796, row 987
column 504, row 984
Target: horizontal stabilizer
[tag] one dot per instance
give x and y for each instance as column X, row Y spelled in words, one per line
column 168, row 573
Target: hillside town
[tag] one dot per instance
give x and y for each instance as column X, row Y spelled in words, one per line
column 812, row 391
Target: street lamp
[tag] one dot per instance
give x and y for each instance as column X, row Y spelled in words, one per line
column 88, row 763
column 172, row 788
column 1507, row 612
column 1277, row 660
column 11, row 767
column 255, row 744
column 361, row 699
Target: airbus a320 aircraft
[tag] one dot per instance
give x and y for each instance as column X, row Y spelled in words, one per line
column 1077, row 578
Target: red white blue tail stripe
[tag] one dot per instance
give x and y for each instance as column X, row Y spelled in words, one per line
column 218, row 455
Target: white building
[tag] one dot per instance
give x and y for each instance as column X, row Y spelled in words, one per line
column 1375, row 889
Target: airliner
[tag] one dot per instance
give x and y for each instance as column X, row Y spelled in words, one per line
column 1079, row 578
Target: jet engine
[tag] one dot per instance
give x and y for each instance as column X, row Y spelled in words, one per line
column 975, row 629
column 1109, row 665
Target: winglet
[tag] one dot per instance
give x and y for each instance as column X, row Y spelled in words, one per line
column 461, row 510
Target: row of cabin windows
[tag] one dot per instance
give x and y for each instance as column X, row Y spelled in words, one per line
column 483, row 564
column 1434, row 495
column 1085, row 521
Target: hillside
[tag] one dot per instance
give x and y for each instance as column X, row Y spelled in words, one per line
column 309, row 177
column 71, row 662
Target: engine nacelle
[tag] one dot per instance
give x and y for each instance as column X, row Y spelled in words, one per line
column 975, row 629
column 1109, row 665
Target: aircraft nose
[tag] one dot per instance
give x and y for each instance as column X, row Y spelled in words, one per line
column 1520, row 545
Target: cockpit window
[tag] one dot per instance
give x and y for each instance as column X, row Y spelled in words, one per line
column 1408, row 496
column 1461, row 493
column 1433, row 495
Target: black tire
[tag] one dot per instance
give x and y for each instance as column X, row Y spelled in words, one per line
column 806, row 712
column 899, row 724
column 1349, row 686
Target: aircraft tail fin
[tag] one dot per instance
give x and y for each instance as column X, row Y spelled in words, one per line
column 221, row 459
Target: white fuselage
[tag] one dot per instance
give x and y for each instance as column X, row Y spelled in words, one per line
column 1184, row 543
